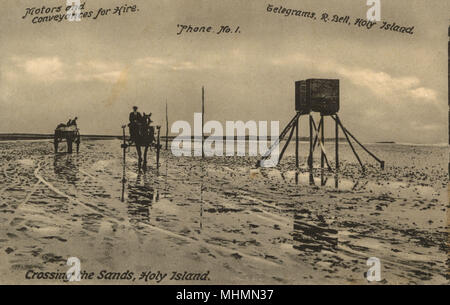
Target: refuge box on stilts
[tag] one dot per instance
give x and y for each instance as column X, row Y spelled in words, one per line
column 321, row 96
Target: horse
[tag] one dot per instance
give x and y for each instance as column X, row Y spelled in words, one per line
column 69, row 133
column 144, row 137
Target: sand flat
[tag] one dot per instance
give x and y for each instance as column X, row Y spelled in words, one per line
column 242, row 225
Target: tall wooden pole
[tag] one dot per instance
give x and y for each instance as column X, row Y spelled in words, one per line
column 167, row 128
column 158, row 148
column 203, row 119
column 124, row 167
column 124, row 147
column 296, row 143
column 322, row 155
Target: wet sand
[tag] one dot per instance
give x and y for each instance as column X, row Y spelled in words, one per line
column 221, row 215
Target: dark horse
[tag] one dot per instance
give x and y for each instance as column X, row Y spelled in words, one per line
column 144, row 136
column 69, row 133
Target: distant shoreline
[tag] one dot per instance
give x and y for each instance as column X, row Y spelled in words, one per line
column 29, row 136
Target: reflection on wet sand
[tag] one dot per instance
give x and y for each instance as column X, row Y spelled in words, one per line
column 313, row 233
column 140, row 195
column 327, row 181
column 66, row 168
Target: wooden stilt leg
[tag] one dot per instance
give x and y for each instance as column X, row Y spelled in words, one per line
column 336, row 178
column 287, row 143
column 321, row 144
column 310, row 159
column 363, row 147
column 350, row 143
column 310, row 142
column 316, row 138
column 203, row 121
column 280, row 138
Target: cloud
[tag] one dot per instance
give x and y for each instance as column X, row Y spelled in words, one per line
column 53, row 69
column 423, row 93
column 170, row 64
column 152, row 62
column 419, row 126
column 384, row 85
column 380, row 83
column 48, row 69
column 96, row 70
column 187, row 65
column 99, row 65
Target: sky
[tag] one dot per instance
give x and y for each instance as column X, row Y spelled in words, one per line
column 394, row 87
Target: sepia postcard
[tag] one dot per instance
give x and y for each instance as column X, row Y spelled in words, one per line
column 207, row 142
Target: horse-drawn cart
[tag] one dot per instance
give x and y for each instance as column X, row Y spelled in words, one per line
column 71, row 134
column 144, row 137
